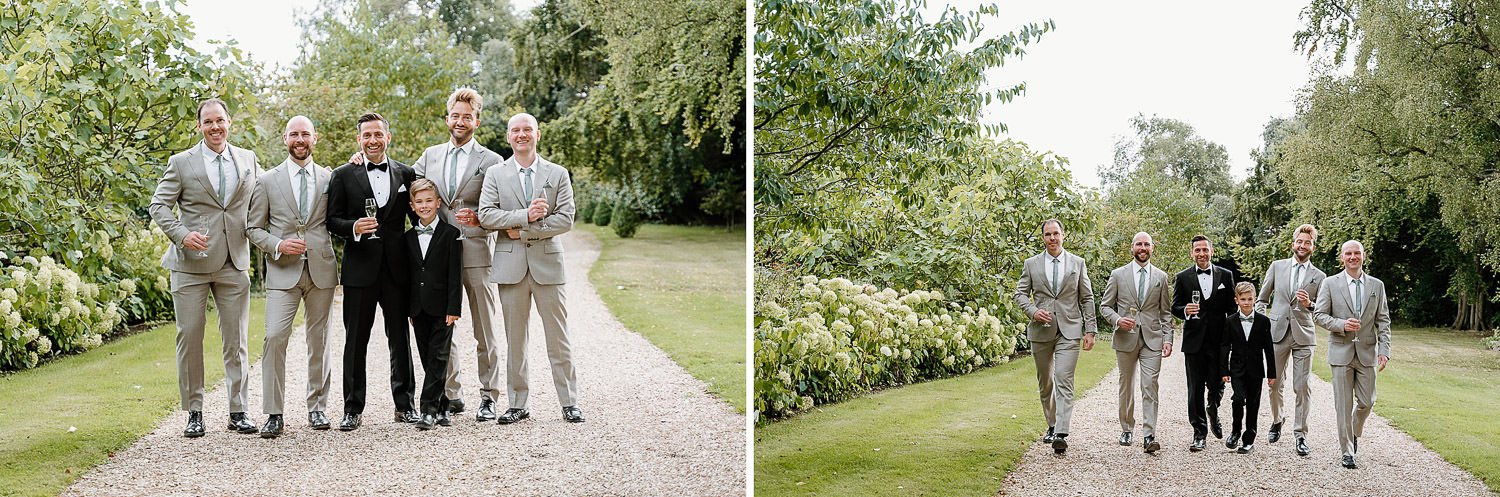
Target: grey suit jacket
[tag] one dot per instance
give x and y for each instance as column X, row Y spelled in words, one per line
column 274, row 216
column 1072, row 306
column 1153, row 316
column 1333, row 308
column 1288, row 315
column 185, row 186
column 479, row 243
column 502, row 205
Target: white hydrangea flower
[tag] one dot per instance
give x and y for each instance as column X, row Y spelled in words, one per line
column 885, row 351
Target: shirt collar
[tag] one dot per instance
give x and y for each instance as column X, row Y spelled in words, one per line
column 1139, row 267
column 209, row 153
column 468, row 147
column 433, row 226
column 1061, row 256
column 1242, row 316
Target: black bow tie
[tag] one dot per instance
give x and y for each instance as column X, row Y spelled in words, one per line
column 373, row 166
column 1206, row 271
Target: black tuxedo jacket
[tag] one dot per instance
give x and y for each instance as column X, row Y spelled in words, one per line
column 436, row 286
column 1201, row 335
column 347, row 190
column 1241, row 357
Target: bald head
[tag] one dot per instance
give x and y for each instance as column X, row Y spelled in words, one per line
column 522, row 134
column 1352, row 254
column 299, row 138
column 1141, row 247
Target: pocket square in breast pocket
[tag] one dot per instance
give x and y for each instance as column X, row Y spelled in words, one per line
column 1221, row 286
column 402, row 189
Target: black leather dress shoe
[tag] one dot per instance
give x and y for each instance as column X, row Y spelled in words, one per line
column 1198, row 445
column 1217, row 429
column 486, row 410
column 351, row 421
column 317, row 420
column 1348, row 462
column 426, row 422
column 512, row 415
column 194, row 425
column 1125, row 439
column 1060, row 443
column 1245, row 449
column 1275, row 432
column 408, row 416
column 443, row 419
column 273, row 426
column 455, row 406
column 1233, row 441
column 1302, row 446
column 239, row 422
column 1150, row 444
column 1047, row 439
column 573, row 414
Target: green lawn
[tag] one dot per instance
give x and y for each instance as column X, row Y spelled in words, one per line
column 956, row 436
column 1441, row 388
column 109, row 396
column 684, row 290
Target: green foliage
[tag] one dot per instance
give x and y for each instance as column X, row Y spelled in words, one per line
column 836, row 339
column 368, row 56
column 98, row 95
column 625, row 218
column 1151, row 201
column 558, row 58
column 1261, row 227
column 1411, row 134
column 602, row 213
column 586, row 211
column 862, row 99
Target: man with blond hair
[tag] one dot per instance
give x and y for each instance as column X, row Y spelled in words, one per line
column 457, row 167
column 1289, row 290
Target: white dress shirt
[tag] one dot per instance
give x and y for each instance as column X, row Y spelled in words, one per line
column 424, row 239
column 1206, row 281
column 465, row 154
column 521, row 179
column 380, row 181
column 231, row 170
column 312, row 183
column 1246, row 324
column 1062, row 267
column 1136, row 275
column 1353, row 291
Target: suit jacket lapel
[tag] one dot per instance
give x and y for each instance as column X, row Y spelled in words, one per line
column 468, row 173
column 240, row 172
column 320, row 193
column 280, row 181
column 198, row 162
column 364, row 185
column 512, row 178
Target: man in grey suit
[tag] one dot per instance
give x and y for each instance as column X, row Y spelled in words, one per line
column 1056, row 294
column 1352, row 307
column 288, row 215
column 210, row 187
column 1138, row 303
column 1289, row 288
column 458, row 168
column 532, row 200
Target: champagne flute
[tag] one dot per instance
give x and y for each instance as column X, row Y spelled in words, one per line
column 1197, row 297
column 372, row 208
column 459, row 224
column 200, row 254
column 302, row 235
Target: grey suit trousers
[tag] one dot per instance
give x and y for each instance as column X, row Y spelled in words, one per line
column 515, row 304
column 482, row 296
column 281, row 308
column 1300, row 357
column 1055, row 363
column 1353, row 396
column 230, row 289
column 1148, row 363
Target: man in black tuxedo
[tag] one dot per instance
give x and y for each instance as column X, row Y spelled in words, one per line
column 374, row 265
column 436, row 290
column 1248, row 358
column 1201, row 335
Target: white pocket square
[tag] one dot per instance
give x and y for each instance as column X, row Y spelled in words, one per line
column 402, row 189
column 1221, row 286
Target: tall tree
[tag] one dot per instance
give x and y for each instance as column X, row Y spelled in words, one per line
column 1261, row 218
column 1412, row 135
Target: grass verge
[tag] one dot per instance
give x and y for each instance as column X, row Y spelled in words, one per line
column 954, row 436
column 1440, row 387
column 683, row 288
column 61, row 419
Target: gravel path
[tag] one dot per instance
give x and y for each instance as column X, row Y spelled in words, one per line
column 652, row 429
column 1390, row 462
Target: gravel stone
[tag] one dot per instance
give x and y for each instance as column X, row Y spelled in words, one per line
column 652, row 428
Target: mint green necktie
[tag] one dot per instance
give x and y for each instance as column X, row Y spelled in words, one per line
column 303, row 205
column 1359, row 298
column 1140, row 288
column 219, row 160
column 1056, row 283
column 453, row 174
column 526, row 183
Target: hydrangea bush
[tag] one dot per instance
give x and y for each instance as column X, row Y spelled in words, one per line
column 841, row 339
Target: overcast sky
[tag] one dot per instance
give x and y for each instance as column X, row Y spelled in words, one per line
column 1225, row 68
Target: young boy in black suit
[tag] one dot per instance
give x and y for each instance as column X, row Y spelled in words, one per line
column 436, row 267
column 1247, row 339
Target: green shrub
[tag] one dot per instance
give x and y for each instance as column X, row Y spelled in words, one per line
column 839, row 339
column 585, row 212
column 625, row 219
column 47, row 308
column 602, row 214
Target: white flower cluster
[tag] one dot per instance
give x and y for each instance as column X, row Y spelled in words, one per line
column 47, row 308
column 841, row 339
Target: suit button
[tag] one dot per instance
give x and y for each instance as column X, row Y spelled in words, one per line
column 528, row 244
column 422, row 283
